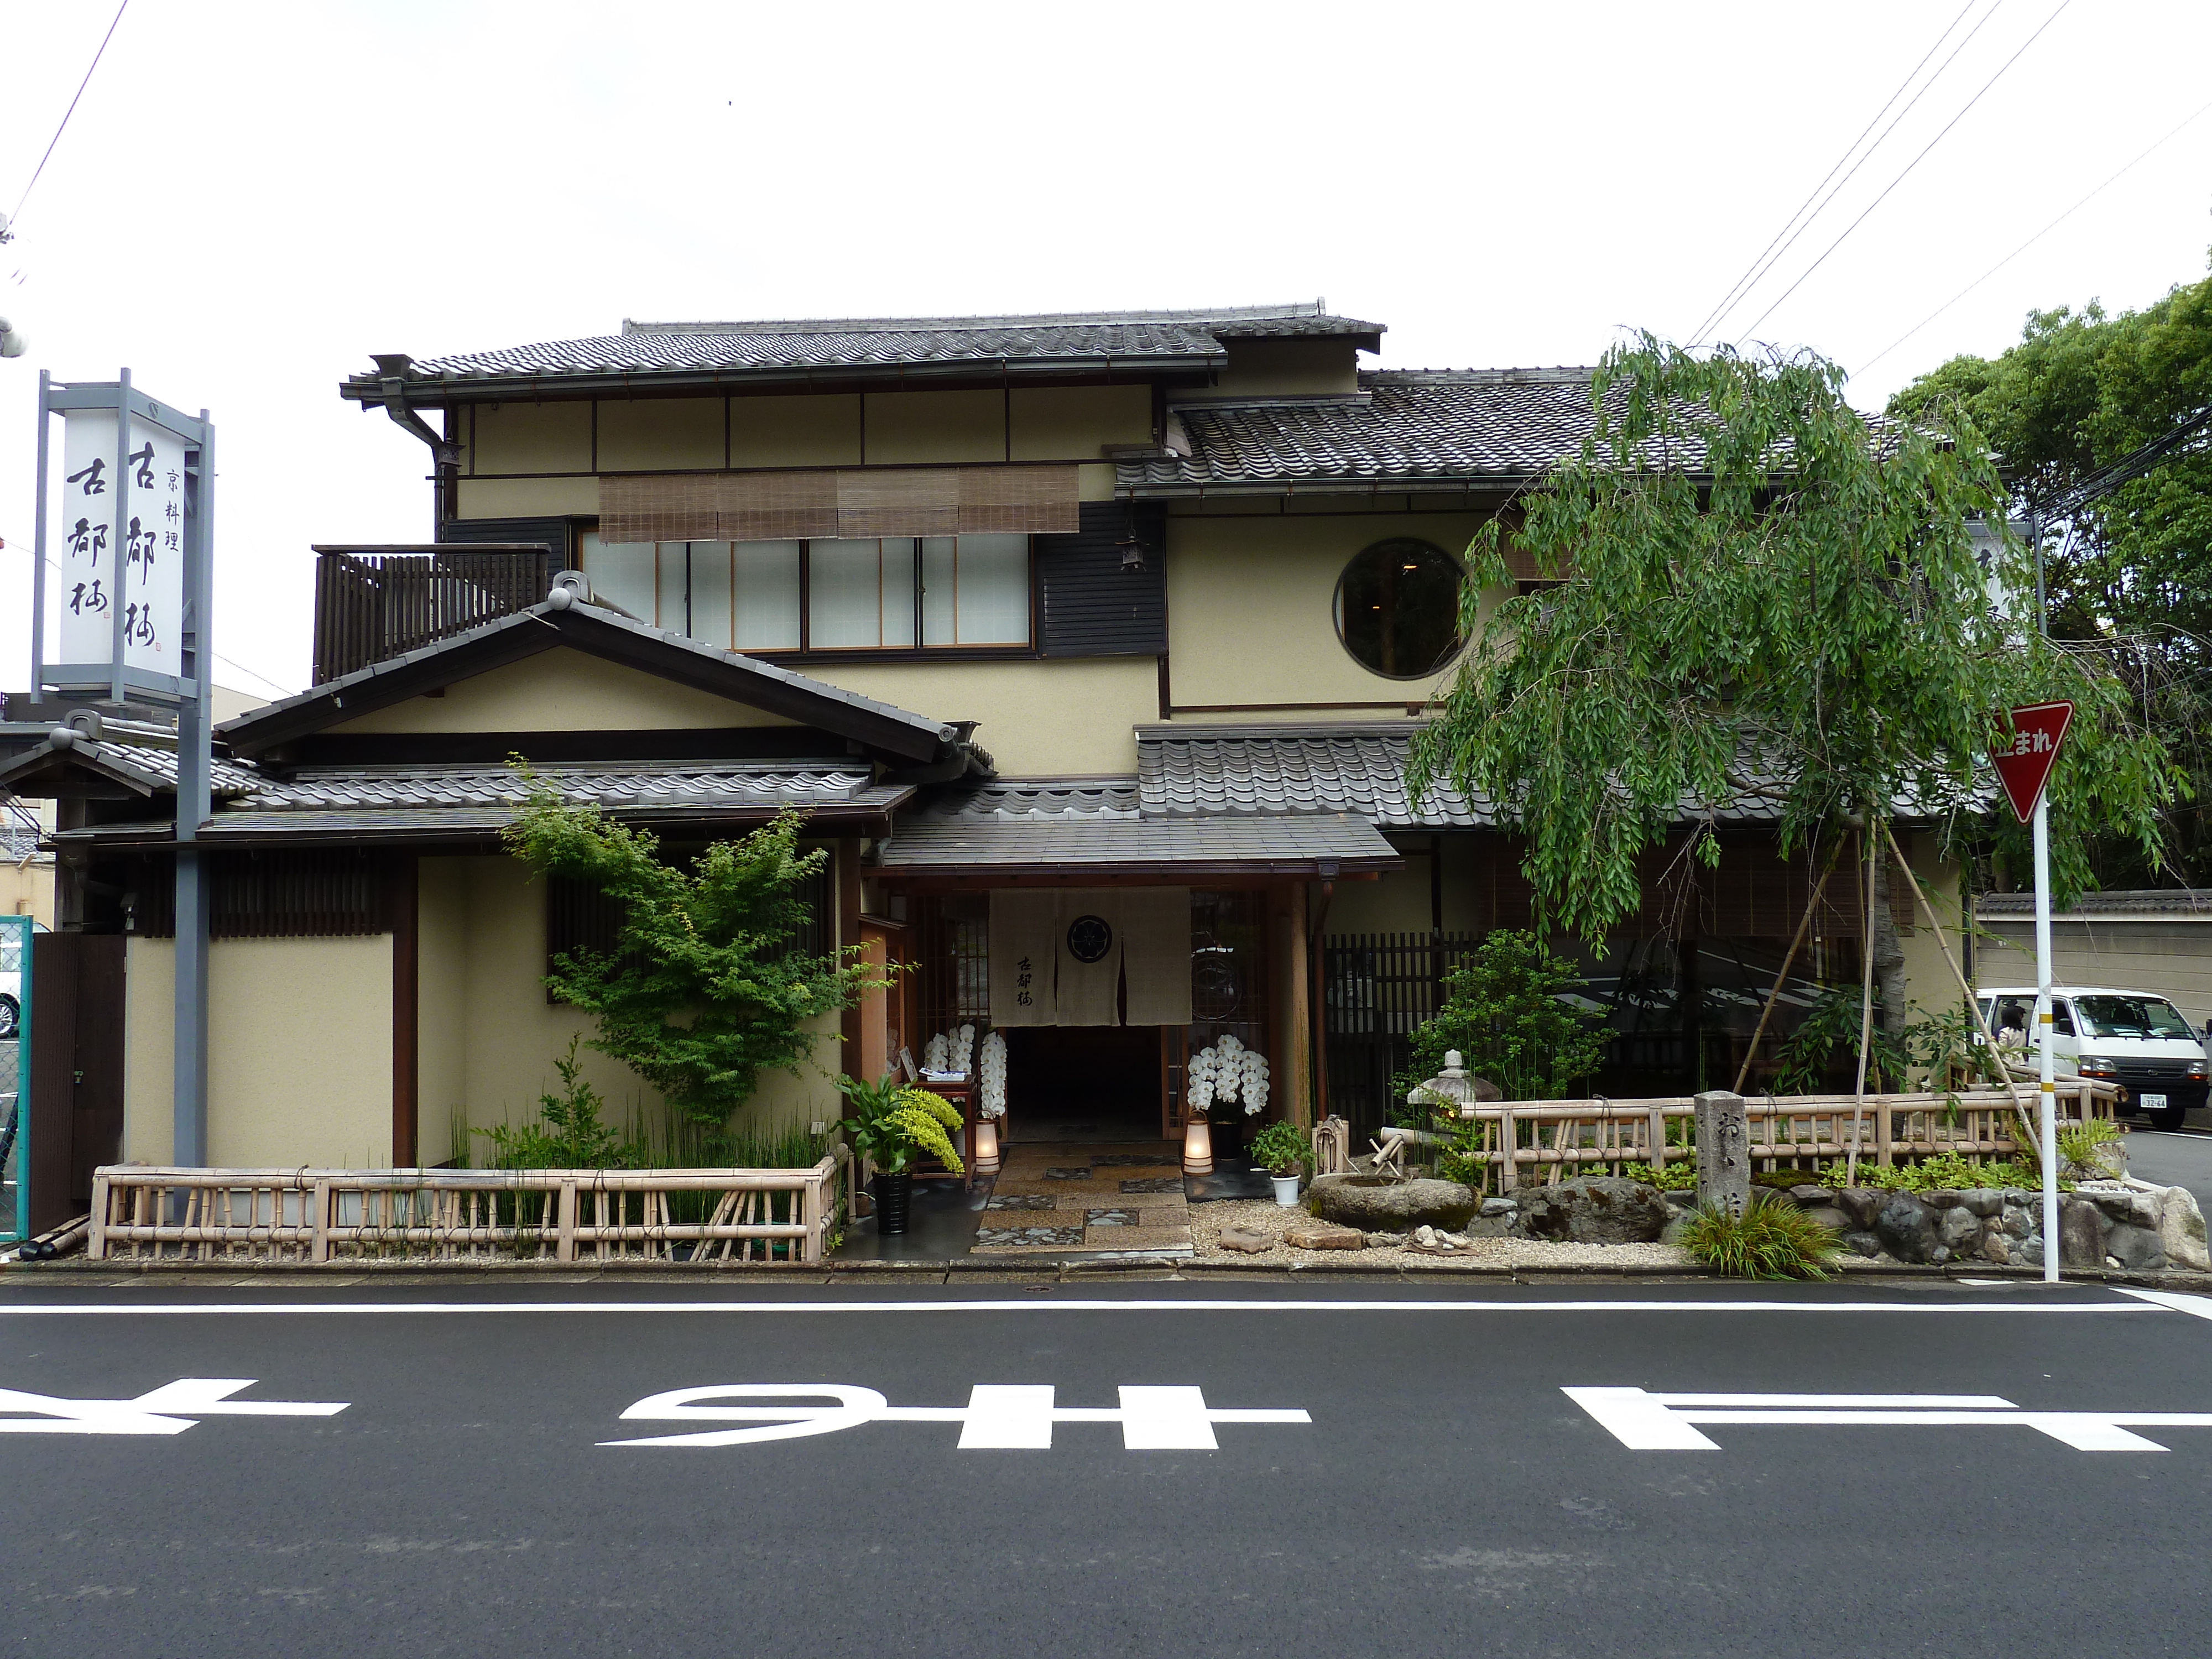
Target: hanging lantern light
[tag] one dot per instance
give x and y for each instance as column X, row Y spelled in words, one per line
column 1198, row 1147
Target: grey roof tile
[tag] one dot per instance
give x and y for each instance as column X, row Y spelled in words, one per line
column 799, row 345
column 2193, row 902
column 1110, row 843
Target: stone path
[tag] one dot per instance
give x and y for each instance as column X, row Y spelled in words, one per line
column 1055, row 1197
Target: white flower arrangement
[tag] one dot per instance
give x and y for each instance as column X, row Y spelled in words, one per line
column 1255, row 1082
column 963, row 1048
column 933, row 1055
column 1198, row 1079
column 994, row 1098
column 1228, row 1072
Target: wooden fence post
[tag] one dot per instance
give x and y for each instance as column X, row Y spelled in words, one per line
column 96, row 1244
column 564, row 1241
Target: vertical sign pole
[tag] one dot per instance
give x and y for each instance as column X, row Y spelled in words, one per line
column 2049, row 1119
column 38, row 551
column 119, row 555
column 195, row 672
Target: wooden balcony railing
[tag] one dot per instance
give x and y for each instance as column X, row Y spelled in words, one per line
column 373, row 603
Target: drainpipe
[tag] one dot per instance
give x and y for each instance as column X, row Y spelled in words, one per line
column 1317, row 1013
column 391, row 369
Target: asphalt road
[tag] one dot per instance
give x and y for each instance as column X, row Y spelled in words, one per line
column 1445, row 1497
column 2173, row 1160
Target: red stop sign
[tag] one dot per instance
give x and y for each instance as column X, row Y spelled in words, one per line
column 2024, row 754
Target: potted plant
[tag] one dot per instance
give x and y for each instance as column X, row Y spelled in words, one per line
column 1282, row 1148
column 891, row 1123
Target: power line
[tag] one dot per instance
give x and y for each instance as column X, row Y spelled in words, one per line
column 1909, row 167
column 1760, row 266
column 66, row 113
column 281, row 690
column 2024, row 246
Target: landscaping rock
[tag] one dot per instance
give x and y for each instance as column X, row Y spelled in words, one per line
column 1959, row 1229
column 1325, row 1236
column 1494, row 1207
column 1861, row 1203
column 1812, row 1197
column 1984, row 1202
column 1865, row 1245
column 1595, row 1210
column 1248, row 1240
column 2081, row 1234
column 2137, row 1250
column 2181, row 1229
column 1994, row 1248
column 1378, row 1204
column 1828, row 1215
column 2020, row 1223
column 1906, row 1228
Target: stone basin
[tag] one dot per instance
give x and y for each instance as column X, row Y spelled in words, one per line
column 1380, row 1204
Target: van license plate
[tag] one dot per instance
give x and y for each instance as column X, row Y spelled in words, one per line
column 2151, row 1103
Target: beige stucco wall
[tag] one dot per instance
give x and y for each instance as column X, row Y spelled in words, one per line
column 528, row 438
column 1068, row 718
column 907, row 426
column 441, row 1004
column 802, row 430
column 563, row 690
column 1075, row 423
column 1263, row 368
column 27, row 889
column 526, row 498
column 299, row 1052
column 1250, row 607
column 1929, row 981
column 655, row 434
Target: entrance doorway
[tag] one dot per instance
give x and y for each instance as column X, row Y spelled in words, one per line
column 1084, row 1083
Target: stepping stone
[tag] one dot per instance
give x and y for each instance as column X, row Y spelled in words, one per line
column 1138, row 1161
column 1153, row 1184
column 1325, row 1236
column 1248, row 1240
column 987, row 1236
column 1067, row 1173
column 1110, row 1218
column 1020, row 1201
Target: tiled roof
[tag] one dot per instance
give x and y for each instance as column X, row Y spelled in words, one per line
column 738, row 666
column 1411, row 426
column 347, row 802
column 19, row 842
column 142, row 766
column 1004, row 800
column 770, row 348
column 1238, row 770
column 2124, row 904
column 1113, row 842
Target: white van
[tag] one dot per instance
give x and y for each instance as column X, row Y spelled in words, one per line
column 2133, row 1038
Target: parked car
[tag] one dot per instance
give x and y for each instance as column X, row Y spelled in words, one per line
column 2137, row 1039
column 11, row 1006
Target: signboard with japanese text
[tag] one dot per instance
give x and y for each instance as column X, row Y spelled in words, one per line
column 2024, row 754
column 121, row 544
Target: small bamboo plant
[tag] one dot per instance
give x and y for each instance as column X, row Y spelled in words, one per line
column 893, row 1124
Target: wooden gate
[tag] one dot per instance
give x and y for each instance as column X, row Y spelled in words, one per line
column 75, row 1120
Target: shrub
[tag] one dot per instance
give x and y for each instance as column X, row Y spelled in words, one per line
column 1771, row 1239
column 1506, row 1012
column 1677, row 1175
column 1942, row 1172
column 890, row 1123
column 1282, row 1147
column 568, row 1134
column 2086, row 1149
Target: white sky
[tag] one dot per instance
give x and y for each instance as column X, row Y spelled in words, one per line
column 251, row 198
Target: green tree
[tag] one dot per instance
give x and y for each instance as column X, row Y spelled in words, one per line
column 2131, row 571
column 1510, row 1014
column 704, row 989
column 1758, row 595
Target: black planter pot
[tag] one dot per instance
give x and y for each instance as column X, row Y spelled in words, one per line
column 892, row 1194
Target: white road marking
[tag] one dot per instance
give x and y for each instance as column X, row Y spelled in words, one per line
column 2017, row 1304
column 1643, row 1421
column 997, row 1416
column 2179, row 1300
column 170, row 1409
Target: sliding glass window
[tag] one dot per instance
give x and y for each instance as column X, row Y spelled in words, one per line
column 891, row 594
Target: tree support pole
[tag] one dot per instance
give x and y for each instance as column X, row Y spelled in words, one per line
column 1804, row 927
column 1866, row 1007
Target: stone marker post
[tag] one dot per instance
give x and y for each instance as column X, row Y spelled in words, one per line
column 1723, row 1151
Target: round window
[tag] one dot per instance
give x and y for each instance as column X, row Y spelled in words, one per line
column 1397, row 608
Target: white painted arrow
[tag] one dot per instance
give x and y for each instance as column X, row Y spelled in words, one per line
column 1667, row 1422
column 170, row 1409
column 997, row 1416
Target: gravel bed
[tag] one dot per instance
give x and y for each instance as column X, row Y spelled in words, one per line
column 1264, row 1215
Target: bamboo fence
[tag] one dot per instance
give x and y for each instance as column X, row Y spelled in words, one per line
column 314, row 1216
column 1521, row 1143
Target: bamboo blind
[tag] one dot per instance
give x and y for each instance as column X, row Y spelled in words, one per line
column 831, row 503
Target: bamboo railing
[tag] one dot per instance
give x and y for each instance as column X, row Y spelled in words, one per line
column 1520, row 1143
column 314, row 1216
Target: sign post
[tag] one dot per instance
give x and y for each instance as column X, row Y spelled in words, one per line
column 133, row 623
column 2024, row 760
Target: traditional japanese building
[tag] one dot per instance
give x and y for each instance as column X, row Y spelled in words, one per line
column 1093, row 643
